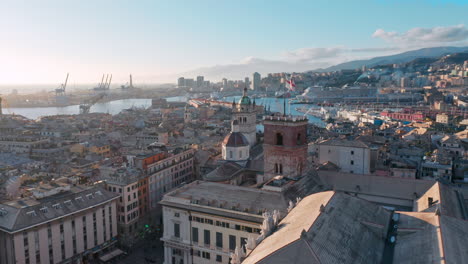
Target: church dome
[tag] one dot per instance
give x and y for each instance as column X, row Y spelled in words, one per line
column 235, row 139
column 245, row 100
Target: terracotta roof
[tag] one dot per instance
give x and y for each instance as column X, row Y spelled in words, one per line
column 235, row 139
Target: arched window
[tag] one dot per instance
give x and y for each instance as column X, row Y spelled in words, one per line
column 281, row 169
column 276, row 167
column 245, row 119
column 279, row 139
column 298, row 139
column 240, row 119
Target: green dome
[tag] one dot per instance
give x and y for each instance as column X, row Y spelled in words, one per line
column 245, row 100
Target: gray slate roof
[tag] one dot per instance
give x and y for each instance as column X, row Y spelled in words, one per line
column 20, row 214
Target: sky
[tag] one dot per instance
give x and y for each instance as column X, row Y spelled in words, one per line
column 157, row 41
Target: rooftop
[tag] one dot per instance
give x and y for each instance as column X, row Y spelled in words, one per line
column 324, row 228
column 344, row 143
column 24, row 213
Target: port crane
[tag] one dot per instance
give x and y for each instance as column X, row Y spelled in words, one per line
column 86, row 105
column 104, row 85
column 61, row 90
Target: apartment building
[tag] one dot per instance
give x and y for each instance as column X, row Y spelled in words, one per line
column 350, row 156
column 74, row 225
column 130, row 185
column 169, row 173
column 142, row 185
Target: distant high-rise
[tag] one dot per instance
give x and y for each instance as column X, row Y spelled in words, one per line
column 247, row 81
column 200, row 81
column 189, row 83
column 256, row 81
column 404, row 82
column 225, row 83
column 181, row 82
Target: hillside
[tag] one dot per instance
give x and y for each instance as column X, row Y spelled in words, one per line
column 398, row 58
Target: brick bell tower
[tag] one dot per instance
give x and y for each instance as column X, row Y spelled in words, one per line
column 285, row 146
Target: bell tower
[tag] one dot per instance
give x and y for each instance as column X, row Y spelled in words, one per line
column 245, row 114
column 285, row 146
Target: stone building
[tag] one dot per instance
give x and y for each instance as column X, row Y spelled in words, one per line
column 285, row 146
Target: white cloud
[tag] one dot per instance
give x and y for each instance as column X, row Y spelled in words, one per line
column 311, row 54
column 424, row 35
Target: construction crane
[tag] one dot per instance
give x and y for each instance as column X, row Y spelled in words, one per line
column 104, row 85
column 86, row 105
column 61, row 90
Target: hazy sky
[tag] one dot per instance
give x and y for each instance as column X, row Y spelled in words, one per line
column 40, row 41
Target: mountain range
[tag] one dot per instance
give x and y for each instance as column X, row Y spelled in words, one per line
column 238, row 71
column 397, row 58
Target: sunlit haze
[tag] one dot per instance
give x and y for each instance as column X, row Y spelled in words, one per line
column 158, row 40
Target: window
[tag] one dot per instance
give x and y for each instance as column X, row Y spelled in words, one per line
column 219, row 258
column 219, row 240
column 298, row 139
column 279, row 139
column 232, row 242
column 207, row 237
column 206, row 255
column 230, row 154
column 276, row 168
column 352, row 162
column 176, row 230
column 352, row 152
column 281, row 169
column 195, row 234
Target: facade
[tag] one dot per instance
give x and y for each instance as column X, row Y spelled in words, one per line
column 126, row 183
column 442, row 119
column 285, row 146
column 69, row 227
column 246, row 115
column 200, row 81
column 256, row 79
column 181, row 82
column 169, row 173
column 349, row 156
column 205, row 221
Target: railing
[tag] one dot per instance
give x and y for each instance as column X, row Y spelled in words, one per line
column 285, row 118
